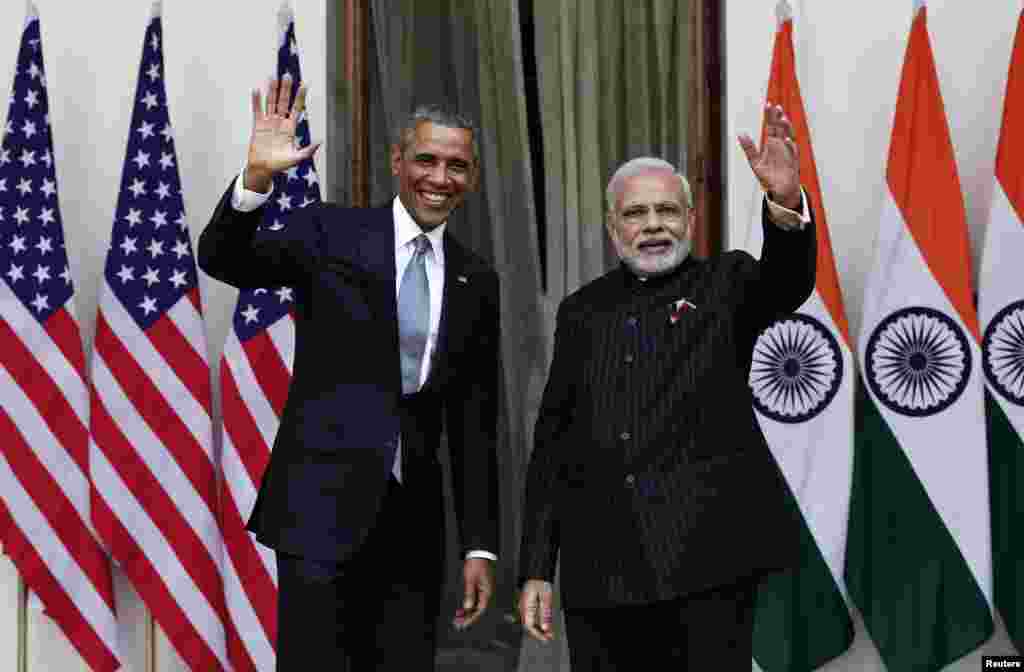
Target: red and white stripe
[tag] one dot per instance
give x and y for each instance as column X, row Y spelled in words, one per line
column 44, row 485
column 154, row 473
column 254, row 385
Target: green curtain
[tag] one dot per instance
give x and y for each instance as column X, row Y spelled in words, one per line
column 468, row 54
column 614, row 83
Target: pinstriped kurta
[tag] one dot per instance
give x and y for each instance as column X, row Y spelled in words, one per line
column 649, row 472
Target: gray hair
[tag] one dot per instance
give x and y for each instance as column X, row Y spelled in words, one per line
column 641, row 165
column 439, row 114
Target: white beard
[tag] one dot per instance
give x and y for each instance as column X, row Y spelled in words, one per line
column 651, row 267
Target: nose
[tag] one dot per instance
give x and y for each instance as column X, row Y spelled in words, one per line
column 652, row 222
column 438, row 174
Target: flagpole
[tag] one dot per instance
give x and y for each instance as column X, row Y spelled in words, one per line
column 150, row 642
column 22, row 625
column 31, row 13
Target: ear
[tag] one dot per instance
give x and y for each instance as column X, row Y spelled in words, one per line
column 691, row 220
column 396, row 159
column 609, row 224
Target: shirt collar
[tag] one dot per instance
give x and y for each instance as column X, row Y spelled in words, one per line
column 406, row 230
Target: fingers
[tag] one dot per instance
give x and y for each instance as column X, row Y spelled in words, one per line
column 793, row 147
column 468, row 600
column 535, row 613
column 529, row 604
column 308, row 151
column 477, row 590
column 748, row 146
column 475, row 603
column 484, row 596
column 785, row 127
column 284, row 96
column 300, row 103
column 773, row 121
column 257, row 105
column 777, row 124
column 272, row 87
column 546, row 612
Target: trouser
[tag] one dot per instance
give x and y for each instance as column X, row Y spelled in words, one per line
column 710, row 630
column 376, row 611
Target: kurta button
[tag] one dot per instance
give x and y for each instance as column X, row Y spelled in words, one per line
column 630, row 479
column 629, row 359
column 625, row 436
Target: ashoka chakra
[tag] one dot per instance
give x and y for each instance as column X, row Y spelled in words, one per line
column 796, row 370
column 918, row 361
column 1002, row 353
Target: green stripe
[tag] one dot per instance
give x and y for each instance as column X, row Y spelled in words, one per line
column 1006, row 480
column 921, row 605
column 801, row 620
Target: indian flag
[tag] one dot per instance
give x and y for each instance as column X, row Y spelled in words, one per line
column 802, row 383
column 918, row 561
column 1001, row 306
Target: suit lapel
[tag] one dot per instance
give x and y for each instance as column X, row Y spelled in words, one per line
column 374, row 249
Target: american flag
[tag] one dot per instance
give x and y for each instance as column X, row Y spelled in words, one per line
column 153, row 467
column 44, row 456
column 255, row 373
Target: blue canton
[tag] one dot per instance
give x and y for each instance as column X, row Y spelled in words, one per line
column 150, row 264
column 33, row 260
column 297, row 188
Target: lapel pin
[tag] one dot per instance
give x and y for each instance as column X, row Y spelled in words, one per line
column 463, row 279
column 678, row 308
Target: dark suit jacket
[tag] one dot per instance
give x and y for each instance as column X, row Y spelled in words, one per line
column 649, row 470
column 336, row 443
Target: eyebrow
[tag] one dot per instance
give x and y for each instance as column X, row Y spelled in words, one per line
column 434, row 157
column 658, row 204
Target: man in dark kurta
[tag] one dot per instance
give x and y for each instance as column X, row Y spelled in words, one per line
column 649, row 472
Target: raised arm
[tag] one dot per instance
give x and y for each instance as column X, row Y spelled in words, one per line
column 786, row 272
column 231, row 248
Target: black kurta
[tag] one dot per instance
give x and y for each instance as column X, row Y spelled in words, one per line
column 649, row 471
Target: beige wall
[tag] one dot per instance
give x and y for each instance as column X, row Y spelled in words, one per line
column 215, row 52
column 849, row 55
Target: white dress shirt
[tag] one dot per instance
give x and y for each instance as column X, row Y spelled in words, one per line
column 406, row 231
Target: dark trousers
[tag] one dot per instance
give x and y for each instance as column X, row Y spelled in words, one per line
column 711, row 630
column 376, row 611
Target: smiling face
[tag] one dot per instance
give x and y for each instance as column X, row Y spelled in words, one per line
column 650, row 225
column 435, row 171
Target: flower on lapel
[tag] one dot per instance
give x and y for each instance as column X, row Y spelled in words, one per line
column 678, row 308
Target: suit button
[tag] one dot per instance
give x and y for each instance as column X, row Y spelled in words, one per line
column 629, row 359
column 625, row 436
column 632, row 321
column 630, row 479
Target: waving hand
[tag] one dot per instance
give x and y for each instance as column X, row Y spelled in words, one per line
column 273, row 147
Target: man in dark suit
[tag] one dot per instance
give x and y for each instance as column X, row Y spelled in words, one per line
column 396, row 328
column 649, row 472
